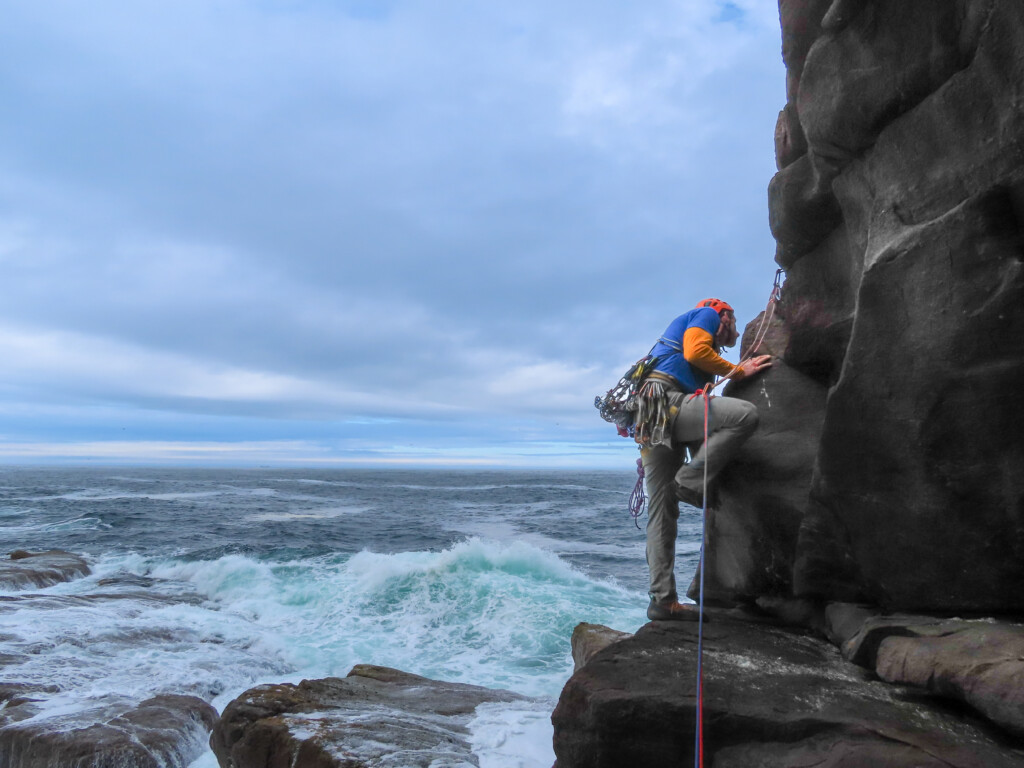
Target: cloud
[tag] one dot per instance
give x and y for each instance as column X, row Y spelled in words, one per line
column 408, row 212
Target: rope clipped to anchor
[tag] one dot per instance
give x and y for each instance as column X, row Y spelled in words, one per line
column 769, row 313
column 762, row 328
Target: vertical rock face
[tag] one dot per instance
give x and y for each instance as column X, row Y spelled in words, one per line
column 891, row 468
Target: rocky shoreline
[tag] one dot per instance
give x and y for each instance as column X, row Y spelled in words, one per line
column 111, row 732
column 376, row 716
column 854, row 688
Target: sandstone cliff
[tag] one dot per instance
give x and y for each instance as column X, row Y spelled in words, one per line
column 891, row 467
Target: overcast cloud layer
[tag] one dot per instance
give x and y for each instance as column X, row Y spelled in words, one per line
column 373, row 231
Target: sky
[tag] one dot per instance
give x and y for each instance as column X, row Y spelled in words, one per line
column 366, row 232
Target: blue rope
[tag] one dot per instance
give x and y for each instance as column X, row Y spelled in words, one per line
column 698, row 757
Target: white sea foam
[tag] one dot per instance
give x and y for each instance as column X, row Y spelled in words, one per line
column 325, row 513
column 479, row 612
column 500, row 530
column 103, row 495
column 513, row 735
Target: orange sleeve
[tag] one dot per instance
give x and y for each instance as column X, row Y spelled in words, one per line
column 700, row 352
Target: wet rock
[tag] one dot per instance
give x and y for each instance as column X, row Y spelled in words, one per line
column 588, row 639
column 15, row 694
column 25, row 570
column 125, row 579
column 773, row 697
column 166, row 730
column 375, row 716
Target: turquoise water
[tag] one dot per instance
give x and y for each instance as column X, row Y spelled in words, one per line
column 209, row 582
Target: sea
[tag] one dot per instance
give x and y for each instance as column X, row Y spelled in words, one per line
column 210, row 581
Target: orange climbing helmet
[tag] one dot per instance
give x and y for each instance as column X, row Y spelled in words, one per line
column 716, row 304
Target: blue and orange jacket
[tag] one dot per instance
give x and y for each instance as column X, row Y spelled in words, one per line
column 687, row 350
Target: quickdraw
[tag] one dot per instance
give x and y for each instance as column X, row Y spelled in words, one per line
column 618, row 406
column 768, row 315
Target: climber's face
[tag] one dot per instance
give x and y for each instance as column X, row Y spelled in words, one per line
column 727, row 335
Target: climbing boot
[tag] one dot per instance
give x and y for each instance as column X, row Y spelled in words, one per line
column 674, row 611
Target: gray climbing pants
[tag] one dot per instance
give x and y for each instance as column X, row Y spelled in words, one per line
column 730, row 423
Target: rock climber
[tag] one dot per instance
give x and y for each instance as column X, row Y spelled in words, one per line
column 670, row 419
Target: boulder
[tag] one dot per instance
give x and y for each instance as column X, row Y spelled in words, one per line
column 884, row 482
column 374, row 717
column 773, row 696
column 790, row 142
column 26, row 570
column 819, row 300
column 588, row 639
column 979, row 663
column 166, row 730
